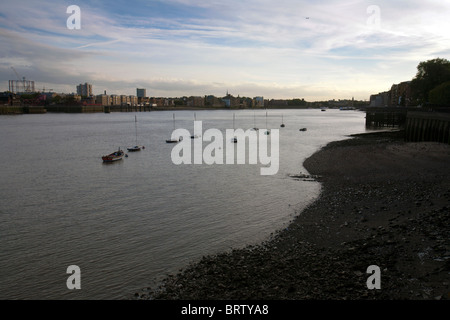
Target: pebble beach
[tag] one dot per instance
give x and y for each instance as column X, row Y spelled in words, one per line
column 384, row 202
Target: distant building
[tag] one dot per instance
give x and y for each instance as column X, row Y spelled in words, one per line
column 381, row 99
column 213, row 101
column 124, row 100
column 401, row 94
column 160, row 102
column 75, row 97
column 258, row 102
column 84, row 90
column 103, row 99
column 141, row 93
column 231, row 101
column 133, row 100
column 21, row 86
column 398, row 96
column 9, row 99
column 114, row 100
column 196, row 101
column 278, row 103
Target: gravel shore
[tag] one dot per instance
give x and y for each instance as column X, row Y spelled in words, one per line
column 384, row 202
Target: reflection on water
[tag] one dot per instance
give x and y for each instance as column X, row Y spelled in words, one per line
column 130, row 223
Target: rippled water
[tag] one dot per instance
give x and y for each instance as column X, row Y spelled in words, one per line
column 130, row 223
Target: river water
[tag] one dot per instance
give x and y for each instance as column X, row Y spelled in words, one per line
column 128, row 224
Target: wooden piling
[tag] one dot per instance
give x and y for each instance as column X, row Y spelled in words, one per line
column 427, row 126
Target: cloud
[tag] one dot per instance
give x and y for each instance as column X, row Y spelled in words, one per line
column 182, row 47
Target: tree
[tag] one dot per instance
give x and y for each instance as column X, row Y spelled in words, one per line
column 297, row 102
column 430, row 74
column 440, row 95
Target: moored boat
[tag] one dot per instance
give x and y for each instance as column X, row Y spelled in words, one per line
column 115, row 156
column 135, row 148
column 174, row 140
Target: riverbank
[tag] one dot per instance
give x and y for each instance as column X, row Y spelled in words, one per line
column 384, row 202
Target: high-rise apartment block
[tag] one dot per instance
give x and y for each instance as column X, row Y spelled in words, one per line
column 84, row 90
column 141, row 93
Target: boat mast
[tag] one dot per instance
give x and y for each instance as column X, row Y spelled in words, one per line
column 135, row 124
column 174, row 121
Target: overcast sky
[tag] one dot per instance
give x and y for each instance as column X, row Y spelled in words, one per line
column 316, row 50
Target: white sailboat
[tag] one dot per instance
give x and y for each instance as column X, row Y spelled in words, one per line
column 194, row 136
column 282, row 122
column 267, row 130
column 234, row 140
column 254, row 123
column 136, row 147
column 173, row 140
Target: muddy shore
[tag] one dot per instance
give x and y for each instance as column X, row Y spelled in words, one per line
column 384, row 202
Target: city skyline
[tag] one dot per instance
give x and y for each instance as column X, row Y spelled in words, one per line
column 279, row 50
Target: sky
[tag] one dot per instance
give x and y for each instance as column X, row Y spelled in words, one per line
column 278, row 49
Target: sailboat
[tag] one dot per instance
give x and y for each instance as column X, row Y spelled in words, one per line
column 194, row 136
column 234, row 140
column 254, row 123
column 136, row 147
column 282, row 122
column 267, row 130
column 172, row 140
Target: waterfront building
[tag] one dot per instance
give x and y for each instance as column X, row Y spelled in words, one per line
column 84, row 90
column 258, row 102
column 103, row 99
column 124, row 100
column 133, row 100
column 196, row 102
column 398, row 96
column 141, row 93
column 115, row 100
column 231, row 101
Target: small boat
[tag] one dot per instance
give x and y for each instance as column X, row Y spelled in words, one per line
column 115, row 156
column 195, row 136
column 267, row 131
column 234, row 140
column 254, row 123
column 323, row 109
column 282, row 122
column 136, row 147
column 302, row 129
column 172, row 140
